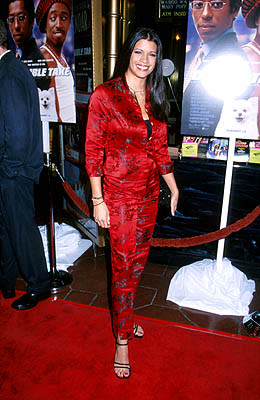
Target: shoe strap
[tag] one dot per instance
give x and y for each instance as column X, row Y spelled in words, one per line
column 120, row 365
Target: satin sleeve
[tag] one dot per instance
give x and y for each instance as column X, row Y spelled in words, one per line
column 97, row 125
column 161, row 154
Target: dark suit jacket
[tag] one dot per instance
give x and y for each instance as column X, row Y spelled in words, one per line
column 21, row 147
column 31, row 51
column 200, row 110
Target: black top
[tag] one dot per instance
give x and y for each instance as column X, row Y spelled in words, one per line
column 149, row 128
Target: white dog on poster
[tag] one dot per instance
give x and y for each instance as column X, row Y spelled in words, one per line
column 239, row 118
column 47, row 105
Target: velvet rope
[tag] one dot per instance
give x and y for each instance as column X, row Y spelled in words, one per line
column 179, row 242
column 208, row 237
column 76, row 199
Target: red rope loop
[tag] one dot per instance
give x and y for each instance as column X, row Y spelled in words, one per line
column 76, row 199
column 179, row 242
column 208, row 237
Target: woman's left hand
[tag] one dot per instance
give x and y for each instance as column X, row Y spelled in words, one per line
column 171, row 183
column 174, row 201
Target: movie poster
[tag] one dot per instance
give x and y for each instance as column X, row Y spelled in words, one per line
column 172, row 8
column 83, row 50
column 46, row 45
column 221, row 90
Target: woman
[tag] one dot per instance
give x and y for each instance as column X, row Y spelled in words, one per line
column 126, row 146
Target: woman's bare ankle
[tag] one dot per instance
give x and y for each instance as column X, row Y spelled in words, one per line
column 122, row 341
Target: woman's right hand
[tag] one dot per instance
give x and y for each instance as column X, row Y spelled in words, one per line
column 101, row 215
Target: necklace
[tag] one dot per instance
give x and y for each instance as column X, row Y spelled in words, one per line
column 136, row 91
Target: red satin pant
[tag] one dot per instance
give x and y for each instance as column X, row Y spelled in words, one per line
column 132, row 223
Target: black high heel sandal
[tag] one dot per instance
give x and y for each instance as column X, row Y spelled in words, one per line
column 135, row 332
column 121, row 365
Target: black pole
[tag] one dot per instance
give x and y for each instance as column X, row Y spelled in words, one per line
column 58, row 279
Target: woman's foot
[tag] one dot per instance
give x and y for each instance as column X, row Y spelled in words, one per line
column 138, row 331
column 121, row 365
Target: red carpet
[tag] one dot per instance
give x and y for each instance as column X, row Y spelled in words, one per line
column 60, row 351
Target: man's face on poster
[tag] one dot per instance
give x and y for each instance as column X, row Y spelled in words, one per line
column 211, row 18
column 58, row 24
column 19, row 22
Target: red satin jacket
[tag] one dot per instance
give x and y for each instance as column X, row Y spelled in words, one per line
column 116, row 138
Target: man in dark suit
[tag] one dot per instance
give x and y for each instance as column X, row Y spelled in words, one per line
column 213, row 21
column 21, row 161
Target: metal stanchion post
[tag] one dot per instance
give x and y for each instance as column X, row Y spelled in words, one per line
column 60, row 278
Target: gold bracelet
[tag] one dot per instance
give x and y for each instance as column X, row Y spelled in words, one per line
column 97, row 198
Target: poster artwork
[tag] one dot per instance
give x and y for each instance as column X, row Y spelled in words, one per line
column 41, row 35
column 221, row 90
column 83, row 50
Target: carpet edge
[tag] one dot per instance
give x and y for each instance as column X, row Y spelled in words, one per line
column 176, row 324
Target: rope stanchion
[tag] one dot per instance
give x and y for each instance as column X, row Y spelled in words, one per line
column 202, row 286
column 214, row 285
column 208, row 237
column 58, row 278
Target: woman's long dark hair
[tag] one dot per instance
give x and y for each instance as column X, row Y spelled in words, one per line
column 159, row 104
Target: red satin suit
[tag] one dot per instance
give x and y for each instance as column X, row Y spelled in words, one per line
column 117, row 148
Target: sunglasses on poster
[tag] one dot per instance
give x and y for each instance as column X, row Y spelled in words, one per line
column 214, row 5
column 19, row 18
